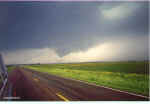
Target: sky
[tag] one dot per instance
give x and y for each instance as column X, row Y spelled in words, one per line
column 58, row 32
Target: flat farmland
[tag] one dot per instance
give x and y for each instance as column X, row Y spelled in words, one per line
column 126, row 76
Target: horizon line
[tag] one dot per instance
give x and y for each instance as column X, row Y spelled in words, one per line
column 80, row 62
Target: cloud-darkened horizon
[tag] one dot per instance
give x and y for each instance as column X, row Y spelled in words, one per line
column 33, row 32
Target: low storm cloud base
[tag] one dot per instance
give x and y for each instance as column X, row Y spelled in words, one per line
column 122, row 49
column 56, row 32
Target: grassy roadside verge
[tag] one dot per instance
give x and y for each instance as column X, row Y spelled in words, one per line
column 10, row 68
column 126, row 76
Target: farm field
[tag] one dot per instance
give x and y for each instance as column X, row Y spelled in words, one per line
column 10, row 68
column 127, row 76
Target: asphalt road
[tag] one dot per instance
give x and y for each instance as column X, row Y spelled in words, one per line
column 31, row 85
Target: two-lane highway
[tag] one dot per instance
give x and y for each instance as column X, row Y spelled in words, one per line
column 32, row 85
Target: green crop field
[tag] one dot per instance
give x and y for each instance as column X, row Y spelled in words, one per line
column 10, row 68
column 126, row 76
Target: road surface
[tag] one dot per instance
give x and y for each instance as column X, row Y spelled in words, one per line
column 28, row 85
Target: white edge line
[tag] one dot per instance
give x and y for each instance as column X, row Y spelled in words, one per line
column 100, row 86
column 3, row 87
column 105, row 87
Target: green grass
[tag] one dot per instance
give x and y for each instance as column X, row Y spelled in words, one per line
column 10, row 68
column 127, row 76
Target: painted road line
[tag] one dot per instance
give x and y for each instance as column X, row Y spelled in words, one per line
column 36, row 79
column 130, row 93
column 62, row 97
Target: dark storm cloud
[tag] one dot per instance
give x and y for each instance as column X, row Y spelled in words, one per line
column 69, row 27
column 138, row 22
column 36, row 25
column 134, row 23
